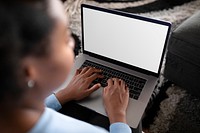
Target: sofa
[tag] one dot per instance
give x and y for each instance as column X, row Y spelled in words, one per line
column 182, row 65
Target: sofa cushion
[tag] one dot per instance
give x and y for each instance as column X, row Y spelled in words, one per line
column 185, row 40
column 183, row 57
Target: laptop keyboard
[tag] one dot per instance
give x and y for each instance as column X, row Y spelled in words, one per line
column 134, row 83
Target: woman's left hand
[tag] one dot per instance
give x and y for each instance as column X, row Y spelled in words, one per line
column 79, row 87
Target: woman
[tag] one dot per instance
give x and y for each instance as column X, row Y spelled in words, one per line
column 36, row 55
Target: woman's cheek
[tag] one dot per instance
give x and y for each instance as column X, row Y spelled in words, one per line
column 70, row 59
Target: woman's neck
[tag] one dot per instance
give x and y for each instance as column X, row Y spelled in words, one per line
column 21, row 116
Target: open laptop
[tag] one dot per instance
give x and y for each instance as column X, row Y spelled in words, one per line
column 132, row 45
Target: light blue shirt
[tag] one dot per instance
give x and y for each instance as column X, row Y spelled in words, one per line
column 54, row 122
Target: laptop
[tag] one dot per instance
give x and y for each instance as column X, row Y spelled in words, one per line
column 131, row 46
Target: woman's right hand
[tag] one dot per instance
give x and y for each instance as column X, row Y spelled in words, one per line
column 116, row 98
column 79, row 87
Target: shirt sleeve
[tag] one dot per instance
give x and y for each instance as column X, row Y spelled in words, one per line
column 120, row 128
column 52, row 102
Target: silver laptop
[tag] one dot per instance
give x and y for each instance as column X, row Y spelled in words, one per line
column 130, row 46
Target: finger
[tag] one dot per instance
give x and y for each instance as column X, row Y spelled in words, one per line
column 78, row 71
column 116, row 81
column 123, row 86
column 104, row 90
column 127, row 89
column 110, row 82
column 94, row 88
column 94, row 76
column 92, row 70
column 84, row 70
column 123, row 83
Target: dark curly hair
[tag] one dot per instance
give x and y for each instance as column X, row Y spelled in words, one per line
column 24, row 29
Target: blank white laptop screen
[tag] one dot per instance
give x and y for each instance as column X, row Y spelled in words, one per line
column 132, row 41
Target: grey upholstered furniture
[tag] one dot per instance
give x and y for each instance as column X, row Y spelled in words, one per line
column 183, row 57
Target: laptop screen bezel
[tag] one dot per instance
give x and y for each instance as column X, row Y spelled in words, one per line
column 125, row 14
